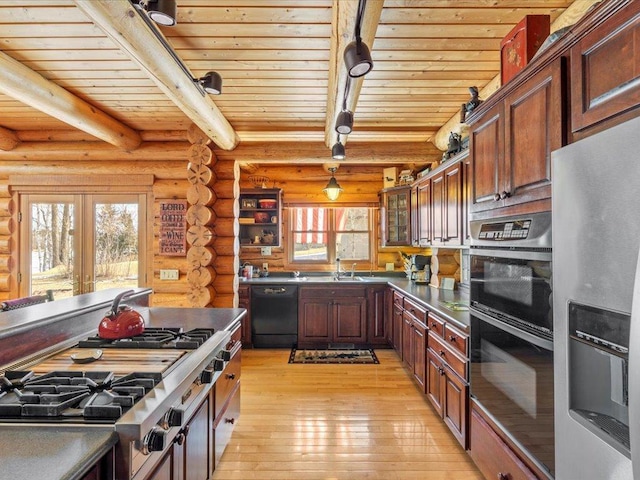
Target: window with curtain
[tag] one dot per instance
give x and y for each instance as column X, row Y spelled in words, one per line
column 319, row 235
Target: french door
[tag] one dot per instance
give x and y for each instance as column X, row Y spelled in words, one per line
column 81, row 243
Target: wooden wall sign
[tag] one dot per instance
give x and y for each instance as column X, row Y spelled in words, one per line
column 173, row 228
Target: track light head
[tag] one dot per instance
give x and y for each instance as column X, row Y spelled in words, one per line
column 212, row 83
column 357, row 58
column 344, row 122
column 163, row 12
column 337, row 151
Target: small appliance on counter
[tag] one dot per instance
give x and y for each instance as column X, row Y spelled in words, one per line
column 421, row 268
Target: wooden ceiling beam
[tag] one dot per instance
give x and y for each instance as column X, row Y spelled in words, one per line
column 29, row 87
column 119, row 20
column 344, row 21
column 8, row 139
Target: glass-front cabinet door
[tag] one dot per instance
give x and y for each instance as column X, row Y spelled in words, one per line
column 397, row 210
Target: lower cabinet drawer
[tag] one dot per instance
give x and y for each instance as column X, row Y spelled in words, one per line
column 493, row 457
column 448, row 356
column 224, row 424
column 227, row 382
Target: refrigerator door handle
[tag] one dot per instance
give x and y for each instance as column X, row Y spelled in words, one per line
column 634, row 380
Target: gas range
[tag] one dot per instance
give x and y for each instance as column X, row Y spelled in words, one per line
column 145, row 388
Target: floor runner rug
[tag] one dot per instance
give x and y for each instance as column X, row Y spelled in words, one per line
column 333, row 356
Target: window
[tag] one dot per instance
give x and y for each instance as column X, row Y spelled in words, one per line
column 319, row 235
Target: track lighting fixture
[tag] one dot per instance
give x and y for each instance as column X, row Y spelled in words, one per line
column 357, row 58
column 212, row 83
column 344, row 123
column 337, row 151
column 333, row 189
column 163, row 12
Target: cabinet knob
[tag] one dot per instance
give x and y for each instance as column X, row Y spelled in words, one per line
column 179, row 438
column 230, row 420
column 504, row 195
column 452, row 338
column 503, row 476
column 442, row 353
column 441, row 370
column 231, row 376
column 434, row 325
column 496, row 197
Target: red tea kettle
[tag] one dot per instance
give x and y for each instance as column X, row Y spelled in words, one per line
column 121, row 321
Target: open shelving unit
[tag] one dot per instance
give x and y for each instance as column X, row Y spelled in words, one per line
column 260, row 224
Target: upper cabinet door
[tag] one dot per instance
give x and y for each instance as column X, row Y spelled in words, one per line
column 605, row 72
column 486, row 146
column 533, row 129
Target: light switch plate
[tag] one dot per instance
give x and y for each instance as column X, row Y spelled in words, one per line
column 169, row 274
column 265, row 251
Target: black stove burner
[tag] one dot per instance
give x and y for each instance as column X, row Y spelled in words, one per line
column 71, row 395
column 173, row 338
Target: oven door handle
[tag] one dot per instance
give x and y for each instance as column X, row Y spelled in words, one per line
column 521, row 334
column 531, row 255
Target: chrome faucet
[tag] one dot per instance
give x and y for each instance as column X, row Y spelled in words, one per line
column 353, row 269
column 336, row 274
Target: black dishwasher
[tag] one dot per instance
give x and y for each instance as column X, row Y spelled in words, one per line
column 274, row 316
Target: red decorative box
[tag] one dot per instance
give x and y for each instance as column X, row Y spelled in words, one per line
column 520, row 45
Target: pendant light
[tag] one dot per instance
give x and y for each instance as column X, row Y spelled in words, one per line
column 333, row 189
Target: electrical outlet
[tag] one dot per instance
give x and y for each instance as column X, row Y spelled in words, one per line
column 390, row 267
column 265, row 266
column 265, row 251
column 169, row 274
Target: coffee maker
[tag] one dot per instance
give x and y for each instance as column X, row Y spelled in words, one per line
column 420, row 268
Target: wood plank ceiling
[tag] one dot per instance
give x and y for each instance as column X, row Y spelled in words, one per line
column 280, row 60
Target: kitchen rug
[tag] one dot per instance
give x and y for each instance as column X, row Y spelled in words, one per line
column 333, row 356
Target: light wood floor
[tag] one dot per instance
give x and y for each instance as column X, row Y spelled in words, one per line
column 335, row 422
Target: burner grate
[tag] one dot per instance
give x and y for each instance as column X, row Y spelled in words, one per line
column 169, row 338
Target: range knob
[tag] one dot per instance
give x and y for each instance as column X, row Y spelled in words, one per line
column 172, row 418
column 224, row 355
column 206, row 376
column 153, row 441
column 218, row 364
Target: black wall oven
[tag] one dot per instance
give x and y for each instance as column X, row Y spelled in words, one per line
column 511, row 373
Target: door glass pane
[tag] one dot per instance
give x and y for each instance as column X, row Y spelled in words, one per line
column 52, row 253
column 116, row 245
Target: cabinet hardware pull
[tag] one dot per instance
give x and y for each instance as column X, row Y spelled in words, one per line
column 452, row 338
column 231, row 376
column 496, row 197
column 504, row 195
column 230, row 420
column 180, row 438
column 433, row 325
column 442, row 353
column 503, row 476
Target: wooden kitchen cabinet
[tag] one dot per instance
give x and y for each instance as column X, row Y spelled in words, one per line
column 447, row 375
column 378, row 322
column 511, row 143
column 244, row 301
column 447, row 206
column 605, row 71
column 397, row 321
column 396, row 216
column 491, row 454
column 332, row 315
column 423, row 207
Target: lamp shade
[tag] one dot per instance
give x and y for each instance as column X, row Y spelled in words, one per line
column 357, row 59
column 344, row 123
column 212, row 83
column 333, row 189
column 163, row 12
column 337, row 151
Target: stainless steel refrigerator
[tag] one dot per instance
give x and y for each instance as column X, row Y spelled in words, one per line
column 596, row 238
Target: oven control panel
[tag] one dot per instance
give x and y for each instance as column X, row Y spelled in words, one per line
column 511, row 230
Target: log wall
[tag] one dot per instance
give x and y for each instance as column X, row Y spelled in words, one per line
column 290, row 169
